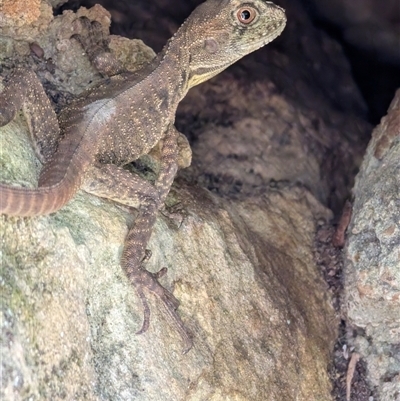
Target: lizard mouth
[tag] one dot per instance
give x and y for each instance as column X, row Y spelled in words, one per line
column 277, row 28
column 273, row 30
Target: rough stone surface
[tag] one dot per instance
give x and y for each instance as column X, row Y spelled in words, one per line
column 59, row 59
column 372, row 271
column 241, row 260
column 24, row 20
column 239, row 269
column 69, row 314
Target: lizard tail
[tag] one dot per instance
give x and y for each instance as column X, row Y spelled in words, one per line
column 58, row 181
column 15, row 201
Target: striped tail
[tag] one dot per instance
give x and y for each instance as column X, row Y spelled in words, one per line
column 58, row 182
column 15, row 201
column 61, row 177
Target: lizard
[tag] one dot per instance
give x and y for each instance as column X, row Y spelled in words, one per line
column 123, row 118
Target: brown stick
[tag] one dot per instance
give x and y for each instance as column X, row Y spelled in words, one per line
column 338, row 239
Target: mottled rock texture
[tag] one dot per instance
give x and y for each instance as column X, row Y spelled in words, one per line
column 277, row 139
column 372, row 266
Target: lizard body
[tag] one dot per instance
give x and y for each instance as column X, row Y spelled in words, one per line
column 123, row 118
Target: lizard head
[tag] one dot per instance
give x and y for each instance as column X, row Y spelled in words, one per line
column 220, row 32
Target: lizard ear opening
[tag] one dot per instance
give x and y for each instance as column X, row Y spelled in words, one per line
column 211, row 45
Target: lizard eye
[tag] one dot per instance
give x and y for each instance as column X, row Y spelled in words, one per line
column 246, row 15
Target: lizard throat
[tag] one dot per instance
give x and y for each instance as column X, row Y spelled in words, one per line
column 203, row 74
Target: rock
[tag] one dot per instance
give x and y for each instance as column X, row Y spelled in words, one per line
column 372, row 267
column 241, row 261
column 239, row 269
column 70, row 315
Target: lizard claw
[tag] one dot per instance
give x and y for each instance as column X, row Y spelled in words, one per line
column 160, row 273
column 148, row 280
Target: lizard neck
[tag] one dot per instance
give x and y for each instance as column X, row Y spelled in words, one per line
column 171, row 69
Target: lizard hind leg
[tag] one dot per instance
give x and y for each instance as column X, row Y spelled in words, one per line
column 112, row 182
column 132, row 262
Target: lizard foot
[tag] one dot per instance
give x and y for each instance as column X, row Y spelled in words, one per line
column 92, row 37
column 144, row 279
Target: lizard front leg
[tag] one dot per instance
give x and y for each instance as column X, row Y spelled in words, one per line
column 112, row 182
column 25, row 91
